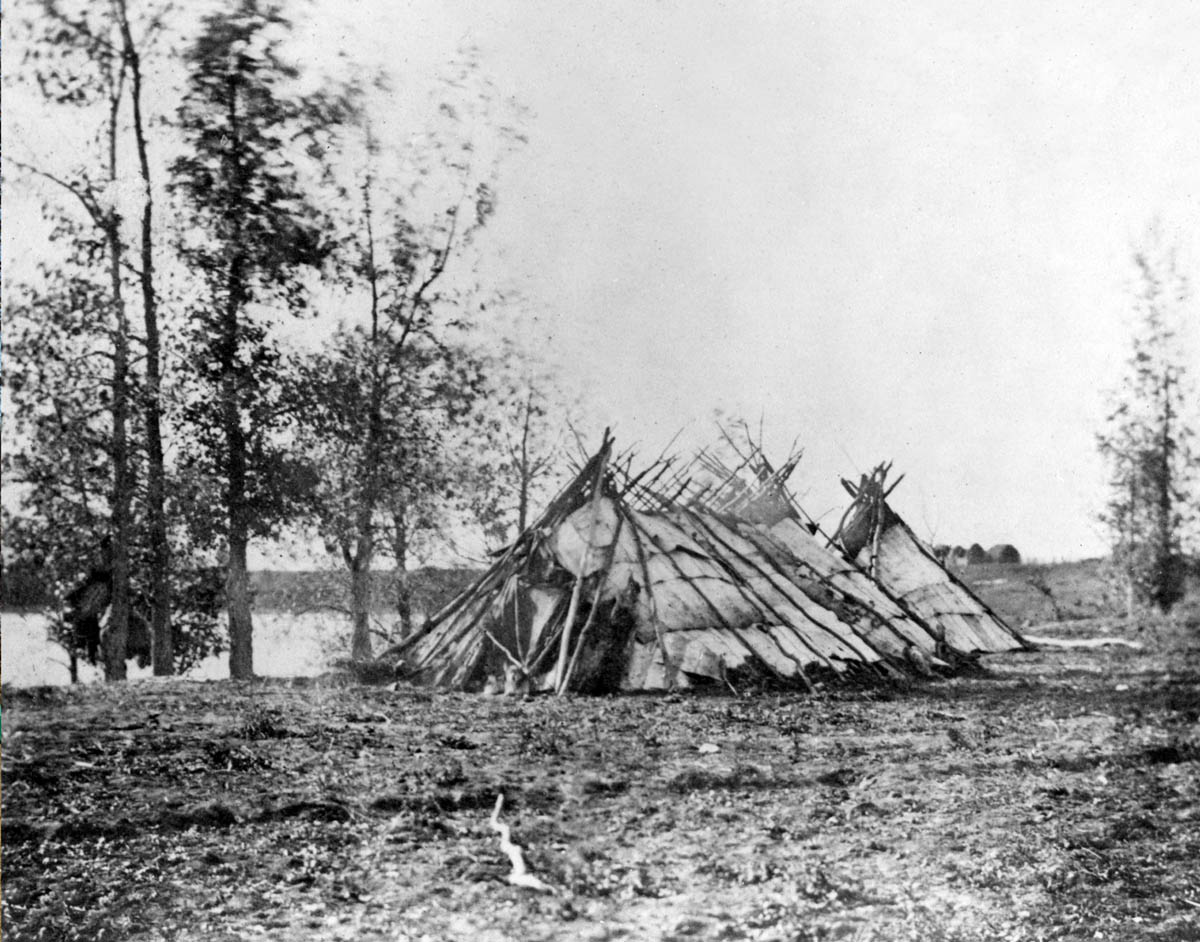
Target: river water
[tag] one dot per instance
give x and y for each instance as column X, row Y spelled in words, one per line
column 285, row 645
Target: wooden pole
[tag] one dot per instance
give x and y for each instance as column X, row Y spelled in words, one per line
column 564, row 647
column 583, row 632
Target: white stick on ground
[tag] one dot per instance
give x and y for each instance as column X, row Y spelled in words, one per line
column 520, row 875
column 1083, row 642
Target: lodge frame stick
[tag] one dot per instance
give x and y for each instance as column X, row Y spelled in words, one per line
column 603, row 580
column 507, row 653
column 721, row 619
column 662, row 460
column 680, row 474
column 564, row 682
column 565, row 640
column 825, row 582
column 716, row 538
column 669, row 502
column 732, row 443
column 876, row 529
column 634, row 484
column 713, row 539
column 781, row 621
column 552, row 639
column 516, row 597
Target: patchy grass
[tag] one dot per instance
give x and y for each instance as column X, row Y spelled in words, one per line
column 1034, row 593
column 1055, row 797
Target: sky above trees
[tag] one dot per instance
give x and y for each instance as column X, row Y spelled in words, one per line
column 894, row 231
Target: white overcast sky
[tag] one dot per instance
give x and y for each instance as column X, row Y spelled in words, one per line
column 900, row 230
column 897, row 230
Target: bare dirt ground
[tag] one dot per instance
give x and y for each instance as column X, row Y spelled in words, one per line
column 1057, row 796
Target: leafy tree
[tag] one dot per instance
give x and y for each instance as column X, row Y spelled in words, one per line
column 85, row 389
column 380, row 418
column 57, row 462
column 249, row 233
column 1147, row 441
column 387, row 400
column 384, row 396
column 75, row 58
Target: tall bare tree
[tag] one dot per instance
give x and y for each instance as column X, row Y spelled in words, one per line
column 131, row 48
column 527, row 423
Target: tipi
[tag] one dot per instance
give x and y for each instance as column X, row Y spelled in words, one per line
column 882, row 544
column 622, row 584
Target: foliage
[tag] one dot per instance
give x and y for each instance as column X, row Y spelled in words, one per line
column 423, row 390
column 258, row 211
column 84, row 69
column 85, row 64
column 249, row 232
column 57, row 455
column 392, row 395
column 57, row 429
column 525, row 424
column 1148, row 440
column 61, row 554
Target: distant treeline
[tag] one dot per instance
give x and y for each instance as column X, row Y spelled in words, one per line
column 308, row 590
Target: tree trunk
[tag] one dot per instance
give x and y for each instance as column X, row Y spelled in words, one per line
column 403, row 584
column 161, row 640
column 404, row 598
column 525, row 482
column 1164, row 536
column 368, row 497
column 234, row 379
column 360, row 612
column 241, row 628
column 360, row 596
column 115, row 638
column 237, row 579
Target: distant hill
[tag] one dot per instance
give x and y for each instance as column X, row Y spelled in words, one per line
column 1030, row 593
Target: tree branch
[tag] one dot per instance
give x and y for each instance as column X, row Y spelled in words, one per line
column 85, row 196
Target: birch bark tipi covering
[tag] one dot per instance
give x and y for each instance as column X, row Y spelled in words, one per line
column 622, row 586
column 882, row 544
